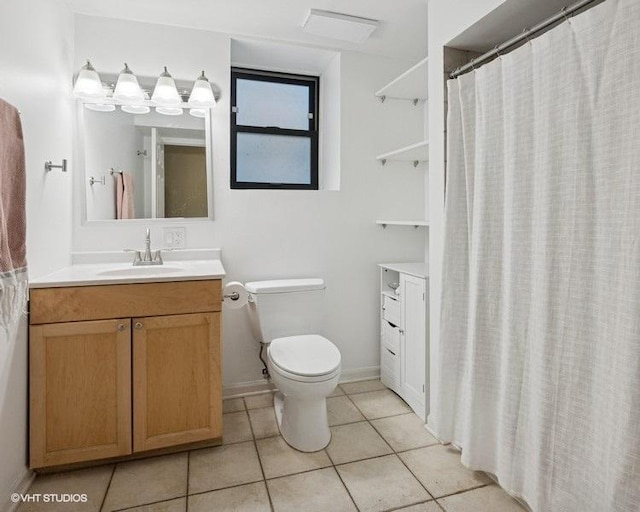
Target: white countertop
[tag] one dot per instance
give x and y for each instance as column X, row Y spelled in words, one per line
column 420, row 269
column 87, row 272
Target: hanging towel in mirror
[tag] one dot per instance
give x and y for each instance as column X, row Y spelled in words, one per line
column 125, row 207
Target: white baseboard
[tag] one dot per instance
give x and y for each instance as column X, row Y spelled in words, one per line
column 253, row 387
column 256, row 387
column 20, row 486
column 357, row 374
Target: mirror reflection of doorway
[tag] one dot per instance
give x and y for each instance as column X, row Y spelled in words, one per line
column 185, row 181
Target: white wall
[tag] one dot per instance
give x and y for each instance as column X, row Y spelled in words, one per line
column 283, row 233
column 36, row 44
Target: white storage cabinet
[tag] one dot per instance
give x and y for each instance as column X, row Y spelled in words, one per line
column 404, row 332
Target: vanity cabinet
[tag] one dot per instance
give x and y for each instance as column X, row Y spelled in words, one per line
column 80, row 391
column 176, row 380
column 403, row 333
column 122, row 369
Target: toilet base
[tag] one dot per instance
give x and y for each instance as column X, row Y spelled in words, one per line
column 302, row 423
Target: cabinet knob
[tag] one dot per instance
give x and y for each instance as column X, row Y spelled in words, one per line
column 121, row 327
column 138, row 325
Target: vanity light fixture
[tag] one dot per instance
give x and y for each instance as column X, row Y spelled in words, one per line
column 135, row 109
column 198, row 112
column 169, row 111
column 127, row 88
column 201, row 94
column 165, row 93
column 100, row 107
column 88, row 85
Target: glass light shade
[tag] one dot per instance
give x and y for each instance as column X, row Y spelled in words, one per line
column 197, row 112
column 127, row 88
column 201, row 94
column 165, row 93
column 100, row 107
column 135, row 109
column 169, row 111
column 88, row 85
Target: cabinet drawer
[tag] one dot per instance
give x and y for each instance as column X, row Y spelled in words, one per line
column 391, row 337
column 391, row 310
column 79, row 303
column 389, row 365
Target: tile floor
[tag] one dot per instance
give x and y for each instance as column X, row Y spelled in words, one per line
column 380, row 458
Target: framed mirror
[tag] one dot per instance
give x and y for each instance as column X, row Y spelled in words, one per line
column 145, row 166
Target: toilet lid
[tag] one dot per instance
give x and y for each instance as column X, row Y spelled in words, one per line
column 306, row 355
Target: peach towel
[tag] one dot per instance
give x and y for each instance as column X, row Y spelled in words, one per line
column 125, row 207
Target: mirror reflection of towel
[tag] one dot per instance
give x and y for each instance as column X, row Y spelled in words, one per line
column 125, row 208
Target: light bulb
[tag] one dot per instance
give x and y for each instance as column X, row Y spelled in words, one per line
column 135, row 109
column 165, row 93
column 100, row 107
column 88, row 85
column 127, row 88
column 201, row 94
column 169, row 111
column 197, row 112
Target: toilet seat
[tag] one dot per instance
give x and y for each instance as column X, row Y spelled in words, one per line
column 305, row 358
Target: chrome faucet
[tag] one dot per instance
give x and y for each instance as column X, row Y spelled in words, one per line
column 150, row 257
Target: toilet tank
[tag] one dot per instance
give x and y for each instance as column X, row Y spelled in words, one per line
column 286, row 307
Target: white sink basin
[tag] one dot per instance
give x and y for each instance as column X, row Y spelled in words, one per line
column 151, row 270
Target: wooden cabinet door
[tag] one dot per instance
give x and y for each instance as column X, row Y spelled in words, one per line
column 80, row 391
column 177, row 386
column 413, row 340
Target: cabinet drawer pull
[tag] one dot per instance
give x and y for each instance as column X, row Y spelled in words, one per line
column 390, row 352
column 121, row 327
column 138, row 325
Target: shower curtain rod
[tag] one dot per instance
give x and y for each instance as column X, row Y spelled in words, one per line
column 526, row 34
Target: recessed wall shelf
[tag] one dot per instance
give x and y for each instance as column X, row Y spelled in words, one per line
column 415, row 153
column 410, row 85
column 415, row 223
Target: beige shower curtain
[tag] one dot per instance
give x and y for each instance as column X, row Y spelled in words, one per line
column 540, row 348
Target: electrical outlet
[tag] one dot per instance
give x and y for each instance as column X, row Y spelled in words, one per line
column 175, row 238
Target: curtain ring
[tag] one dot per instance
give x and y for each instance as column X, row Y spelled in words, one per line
column 496, row 48
column 563, row 11
column 525, row 33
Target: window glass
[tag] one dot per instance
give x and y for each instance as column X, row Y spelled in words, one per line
column 274, row 130
column 265, row 104
column 264, row 158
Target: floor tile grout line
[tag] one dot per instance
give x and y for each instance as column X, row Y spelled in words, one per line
column 333, row 465
column 226, row 488
column 255, row 447
column 148, row 504
column 398, row 452
column 186, row 498
column 402, row 507
column 475, row 488
column 392, row 449
column 104, row 498
column 346, row 488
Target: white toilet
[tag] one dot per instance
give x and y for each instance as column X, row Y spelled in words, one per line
column 305, row 367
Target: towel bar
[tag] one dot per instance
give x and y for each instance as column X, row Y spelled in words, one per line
column 48, row 166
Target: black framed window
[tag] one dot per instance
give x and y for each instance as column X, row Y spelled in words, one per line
column 274, row 130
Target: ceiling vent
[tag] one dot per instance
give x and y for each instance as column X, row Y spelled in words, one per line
column 334, row 25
